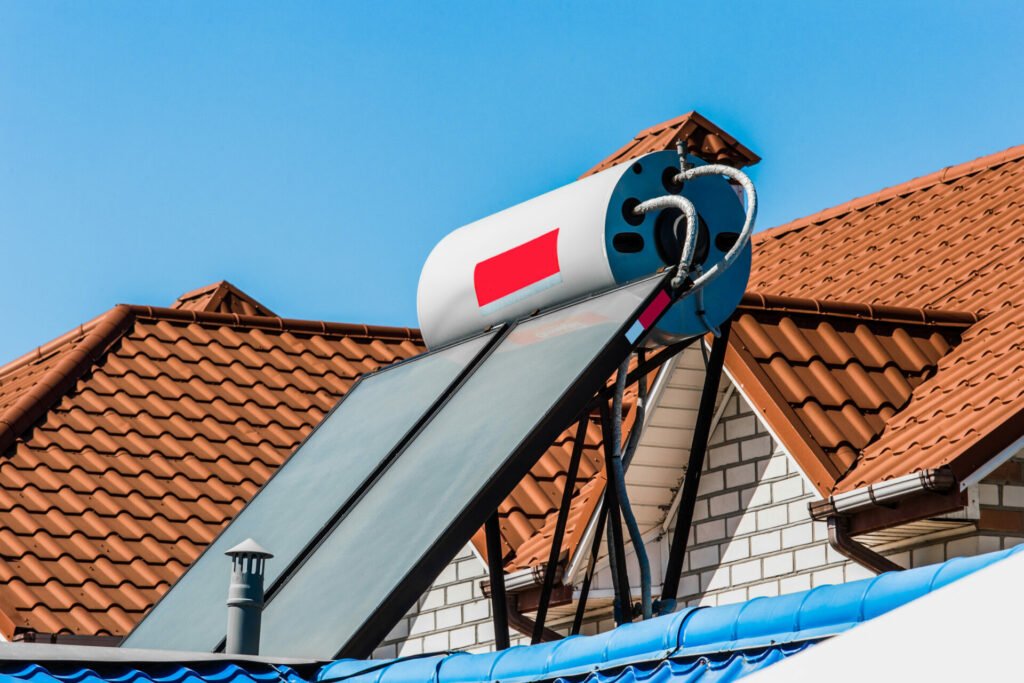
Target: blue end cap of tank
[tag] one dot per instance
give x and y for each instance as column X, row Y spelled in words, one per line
column 633, row 249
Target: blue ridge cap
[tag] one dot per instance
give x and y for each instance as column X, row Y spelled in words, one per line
column 782, row 622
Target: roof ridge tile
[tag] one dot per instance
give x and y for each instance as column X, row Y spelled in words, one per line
column 850, row 309
column 360, row 331
column 943, row 175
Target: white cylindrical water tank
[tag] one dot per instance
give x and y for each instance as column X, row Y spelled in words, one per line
column 576, row 240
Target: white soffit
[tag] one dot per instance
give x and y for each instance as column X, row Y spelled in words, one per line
column 657, row 468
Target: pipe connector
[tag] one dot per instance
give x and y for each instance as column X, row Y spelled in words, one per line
column 245, row 597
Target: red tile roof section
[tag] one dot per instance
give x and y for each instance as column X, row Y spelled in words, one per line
column 972, row 408
column 144, row 432
column 20, row 375
column 951, row 240
column 703, row 139
column 829, row 376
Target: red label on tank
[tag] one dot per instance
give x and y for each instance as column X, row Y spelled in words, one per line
column 521, row 270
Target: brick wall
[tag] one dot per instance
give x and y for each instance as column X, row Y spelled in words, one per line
column 769, row 545
column 752, row 536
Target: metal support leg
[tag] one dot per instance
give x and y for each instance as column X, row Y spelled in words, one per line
column 698, row 449
column 595, row 551
column 616, row 545
column 556, row 540
column 499, row 606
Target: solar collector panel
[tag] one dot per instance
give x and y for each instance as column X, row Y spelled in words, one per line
column 391, row 542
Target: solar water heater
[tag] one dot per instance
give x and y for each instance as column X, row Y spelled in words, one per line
column 527, row 314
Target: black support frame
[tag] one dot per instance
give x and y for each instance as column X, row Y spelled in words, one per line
column 496, row 569
column 556, row 540
column 588, row 578
column 516, row 466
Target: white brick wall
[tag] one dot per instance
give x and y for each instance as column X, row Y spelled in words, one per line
column 452, row 615
column 769, row 545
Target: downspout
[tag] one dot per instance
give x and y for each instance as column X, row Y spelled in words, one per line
column 841, row 541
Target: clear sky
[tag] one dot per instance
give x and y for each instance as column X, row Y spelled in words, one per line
column 313, row 153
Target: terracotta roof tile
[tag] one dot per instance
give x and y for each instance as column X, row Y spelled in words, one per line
column 222, row 297
column 130, row 442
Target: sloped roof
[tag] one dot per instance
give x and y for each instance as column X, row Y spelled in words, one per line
column 132, row 440
column 950, row 241
column 141, row 435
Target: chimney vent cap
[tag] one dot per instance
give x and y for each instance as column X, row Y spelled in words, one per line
column 249, row 547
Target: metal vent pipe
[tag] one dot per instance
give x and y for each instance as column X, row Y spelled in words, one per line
column 245, row 598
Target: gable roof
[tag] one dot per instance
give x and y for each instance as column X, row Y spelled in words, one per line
column 950, row 241
column 222, row 297
column 830, row 376
column 702, row 138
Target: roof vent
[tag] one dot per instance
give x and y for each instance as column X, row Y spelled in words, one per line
column 245, row 597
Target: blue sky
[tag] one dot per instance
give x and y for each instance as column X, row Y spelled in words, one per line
column 313, row 153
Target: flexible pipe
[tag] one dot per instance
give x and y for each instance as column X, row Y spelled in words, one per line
column 635, row 536
column 748, row 224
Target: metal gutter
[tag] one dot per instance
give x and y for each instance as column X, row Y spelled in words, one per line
column 884, row 493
